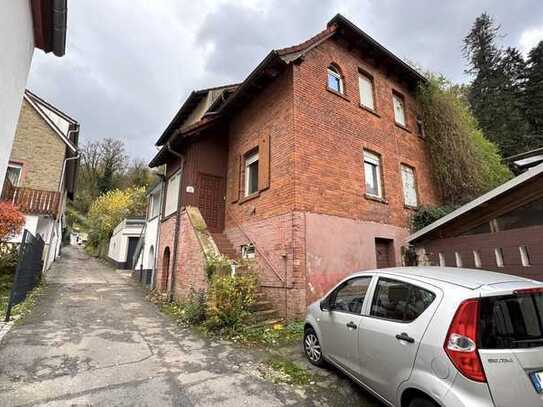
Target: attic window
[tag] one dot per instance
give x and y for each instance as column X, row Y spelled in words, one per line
column 335, row 82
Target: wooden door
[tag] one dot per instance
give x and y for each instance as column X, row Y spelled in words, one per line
column 211, row 201
column 384, row 253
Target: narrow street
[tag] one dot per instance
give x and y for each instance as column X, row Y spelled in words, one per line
column 93, row 340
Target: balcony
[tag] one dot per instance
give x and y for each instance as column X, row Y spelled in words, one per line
column 31, row 201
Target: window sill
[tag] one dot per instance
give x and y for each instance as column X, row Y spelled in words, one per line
column 248, row 198
column 412, row 208
column 341, row 95
column 370, row 110
column 171, row 215
column 401, row 126
column 376, row 199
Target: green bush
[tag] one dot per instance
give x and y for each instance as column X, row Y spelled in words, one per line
column 195, row 308
column 228, row 300
column 9, row 254
column 217, row 264
column 425, row 215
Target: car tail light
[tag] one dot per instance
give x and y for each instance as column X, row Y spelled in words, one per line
column 461, row 342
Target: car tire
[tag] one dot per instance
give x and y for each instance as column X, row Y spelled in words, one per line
column 422, row 402
column 312, row 348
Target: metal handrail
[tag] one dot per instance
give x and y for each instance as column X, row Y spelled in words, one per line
column 270, row 265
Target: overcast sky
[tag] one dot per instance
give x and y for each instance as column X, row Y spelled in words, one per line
column 129, row 64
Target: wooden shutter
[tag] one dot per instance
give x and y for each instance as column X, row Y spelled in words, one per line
column 234, row 192
column 264, row 163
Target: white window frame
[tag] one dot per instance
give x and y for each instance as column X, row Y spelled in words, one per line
column 399, row 116
column 172, row 201
column 20, row 168
column 248, row 251
column 364, row 78
column 331, row 70
column 251, row 159
column 373, row 159
column 407, row 171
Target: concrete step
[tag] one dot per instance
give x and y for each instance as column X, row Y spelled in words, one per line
column 261, row 305
column 265, row 315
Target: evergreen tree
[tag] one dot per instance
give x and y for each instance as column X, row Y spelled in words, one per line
column 496, row 92
column 534, row 95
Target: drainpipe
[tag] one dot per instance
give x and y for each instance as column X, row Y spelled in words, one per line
column 177, row 219
column 70, row 132
column 157, row 238
column 59, row 27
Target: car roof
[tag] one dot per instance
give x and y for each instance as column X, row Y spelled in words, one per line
column 468, row 278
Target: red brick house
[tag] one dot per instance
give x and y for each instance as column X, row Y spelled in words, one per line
column 313, row 165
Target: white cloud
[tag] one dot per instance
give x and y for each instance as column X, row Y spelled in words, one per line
column 530, row 38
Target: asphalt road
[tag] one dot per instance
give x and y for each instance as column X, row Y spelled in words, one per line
column 93, row 340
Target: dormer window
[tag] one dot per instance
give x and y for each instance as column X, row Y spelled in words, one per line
column 335, row 82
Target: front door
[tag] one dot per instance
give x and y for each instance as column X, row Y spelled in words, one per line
column 211, row 201
column 390, row 333
column 384, row 253
column 132, row 244
column 341, row 323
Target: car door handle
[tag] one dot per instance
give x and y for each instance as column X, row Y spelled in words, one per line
column 351, row 325
column 404, row 337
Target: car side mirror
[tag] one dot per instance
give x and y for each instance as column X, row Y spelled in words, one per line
column 325, row 304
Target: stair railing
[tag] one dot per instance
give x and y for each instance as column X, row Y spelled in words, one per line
column 261, row 254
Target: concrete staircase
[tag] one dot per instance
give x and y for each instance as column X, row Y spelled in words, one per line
column 263, row 312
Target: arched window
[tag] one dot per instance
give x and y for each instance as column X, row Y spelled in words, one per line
column 335, row 82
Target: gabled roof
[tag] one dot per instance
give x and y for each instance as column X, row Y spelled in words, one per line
column 272, row 65
column 514, row 183
column 46, row 111
column 187, row 107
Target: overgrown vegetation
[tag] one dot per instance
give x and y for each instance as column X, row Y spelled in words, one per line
column 425, row 215
column 108, row 210
column 217, row 264
column 464, row 163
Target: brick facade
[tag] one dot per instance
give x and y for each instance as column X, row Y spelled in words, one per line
column 39, row 149
column 314, row 225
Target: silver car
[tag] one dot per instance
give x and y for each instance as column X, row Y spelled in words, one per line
column 432, row 336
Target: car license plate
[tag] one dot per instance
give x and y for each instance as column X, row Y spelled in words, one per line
column 537, row 380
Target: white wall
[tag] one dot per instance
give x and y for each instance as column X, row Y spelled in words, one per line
column 17, row 48
column 118, row 244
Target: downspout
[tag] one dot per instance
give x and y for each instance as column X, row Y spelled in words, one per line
column 177, row 220
column 157, row 238
column 59, row 27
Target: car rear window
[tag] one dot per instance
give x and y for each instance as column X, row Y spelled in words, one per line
column 511, row 321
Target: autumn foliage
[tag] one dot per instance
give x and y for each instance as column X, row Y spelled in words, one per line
column 11, row 221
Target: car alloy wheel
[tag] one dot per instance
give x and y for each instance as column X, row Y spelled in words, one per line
column 312, row 347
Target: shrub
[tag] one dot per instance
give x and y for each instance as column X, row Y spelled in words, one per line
column 229, row 300
column 195, row 308
column 217, row 264
column 9, row 254
column 424, row 215
column 108, row 210
column 11, row 221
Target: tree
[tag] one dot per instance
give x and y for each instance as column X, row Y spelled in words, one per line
column 138, row 174
column 533, row 99
column 113, row 163
column 464, row 163
column 496, row 93
column 108, row 210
